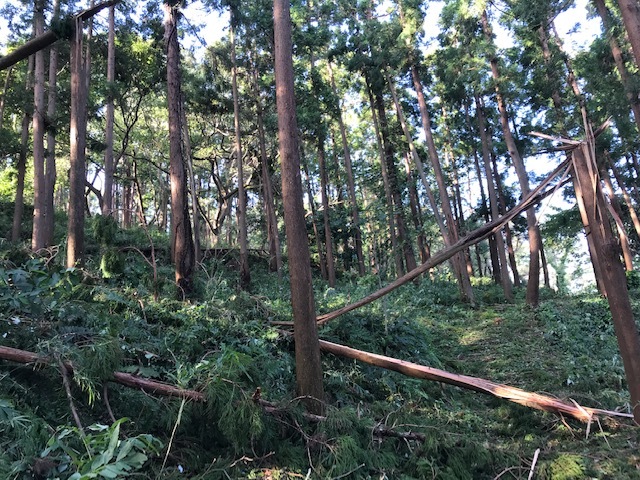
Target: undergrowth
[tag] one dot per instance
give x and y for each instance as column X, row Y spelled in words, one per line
column 379, row 424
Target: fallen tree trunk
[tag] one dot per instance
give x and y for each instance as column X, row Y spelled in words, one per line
column 127, row 379
column 64, row 30
column 512, row 394
column 445, row 254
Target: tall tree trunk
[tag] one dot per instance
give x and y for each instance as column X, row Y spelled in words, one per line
column 312, row 206
column 77, row 155
column 3, row 98
column 351, row 186
column 535, row 240
column 273, row 238
column 328, row 237
column 245, row 274
column 416, row 213
column 18, row 207
column 493, row 201
column 613, row 276
column 451, row 235
column 630, row 10
column 616, row 213
column 181, row 235
column 627, row 198
column 507, row 230
column 493, row 251
column 50, row 165
column 307, row 347
column 107, row 196
column 397, row 254
column 38, row 237
column 193, row 187
column 392, row 172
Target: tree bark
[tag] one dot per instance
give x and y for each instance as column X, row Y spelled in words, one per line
column 397, row 254
column 392, row 172
column 107, row 196
column 77, row 155
column 493, row 202
column 351, row 186
column 535, row 240
column 613, row 276
column 181, row 235
column 627, row 198
column 38, row 237
column 245, row 274
column 451, row 235
column 630, row 10
column 18, row 207
column 307, row 349
column 50, row 161
column 273, row 238
column 328, row 237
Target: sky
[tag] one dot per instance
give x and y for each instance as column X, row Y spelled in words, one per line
column 574, row 20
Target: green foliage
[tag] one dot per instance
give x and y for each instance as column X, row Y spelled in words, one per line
column 565, row 467
column 98, row 454
column 104, row 229
column 112, row 263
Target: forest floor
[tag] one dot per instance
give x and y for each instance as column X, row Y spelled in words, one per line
column 379, row 424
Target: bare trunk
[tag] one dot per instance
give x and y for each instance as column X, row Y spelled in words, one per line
column 77, row 155
column 328, row 237
column 245, row 274
column 535, row 240
column 38, row 238
column 181, row 234
column 392, row 172
column 627, row 199
column 312, row 206
column 107, row 196
column 450, row 235
column 307, row 348
column 616, row 213
column 630, row 10
column 493, row 202
column 50, row 165
column 273, row 238
column 188, row 159
column 3, row 98
column 416, row 213
column 355, row 216
column 18, row 208
column 397, row 255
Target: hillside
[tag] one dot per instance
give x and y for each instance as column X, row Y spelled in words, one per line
column 222, row 343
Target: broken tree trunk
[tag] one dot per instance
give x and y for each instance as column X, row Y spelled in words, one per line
column 445, row 254
column 512, row 394
column 66, row 29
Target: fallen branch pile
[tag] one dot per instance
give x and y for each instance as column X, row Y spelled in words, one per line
column 512, row 394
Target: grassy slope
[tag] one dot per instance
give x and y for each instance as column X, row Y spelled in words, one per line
column 222, row 344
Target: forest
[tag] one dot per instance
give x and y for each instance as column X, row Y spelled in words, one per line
column 319, row 240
